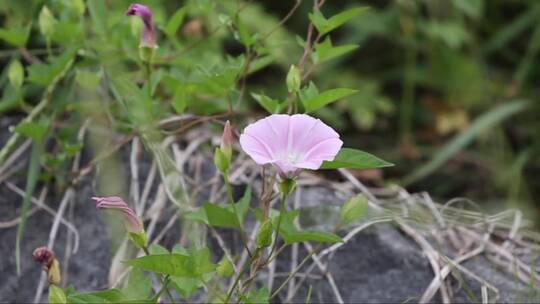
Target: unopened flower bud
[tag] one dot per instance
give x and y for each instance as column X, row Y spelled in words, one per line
column 44, row 256
column 294, row 80
column 264, row 235
column 226, row 141
column 148, row 39
column 131, row 221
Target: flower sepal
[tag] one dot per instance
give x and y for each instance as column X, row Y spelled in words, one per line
column 139, row 239
column 287, row 186
column 221, row 161
column 146, row 53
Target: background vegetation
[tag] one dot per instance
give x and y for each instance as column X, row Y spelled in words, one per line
column 445, row 89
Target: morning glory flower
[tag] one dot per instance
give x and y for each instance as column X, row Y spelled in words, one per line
column 290, row 143
column 148, row 33
column 131, row 221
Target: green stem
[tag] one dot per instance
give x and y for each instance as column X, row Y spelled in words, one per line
column 239, row 277
column 163, row 288
column 293, row 273
column 230, row 198
column 281, row 212
column 229, row 190
column 164, row 280
column 148, row 67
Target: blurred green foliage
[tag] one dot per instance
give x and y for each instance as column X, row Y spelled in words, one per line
column 407, row 75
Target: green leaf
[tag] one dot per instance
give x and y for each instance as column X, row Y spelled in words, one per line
column 325, row 50
column 256, row 297
column 242, row 33
column 309, row 92
column 219, row 216
column 138, row 286
column 325, row 98
column 512, row 29
column 341, row 18
column 88, row 80
column 353, row 209
column 242, row 206
column 158, row 249
column 197, row 216
column 485, row 122
column 34, row 130
column 176, row 20
column 327, row 25
column 355, row 159
column 224, row 268
column 318, row 21
column 136, row 102
column 16, row 36
column 223, row 215
column 186, row 286
column 193, row 265
column 179, row 101
column 56, row 295
column 44, row 74
column 272, row 106
column 291, row 235
column 103, row 296
column 98, row 13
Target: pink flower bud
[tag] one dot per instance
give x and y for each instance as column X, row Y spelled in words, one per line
column 51, row 266
column 44, row 256
column 148, row 33
column 226, row 140
column 131, row 221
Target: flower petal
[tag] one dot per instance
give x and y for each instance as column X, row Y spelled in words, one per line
column 267, row 138
column 290, row 142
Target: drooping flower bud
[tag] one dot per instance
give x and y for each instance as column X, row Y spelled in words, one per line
column 226, row 141
column 46, row 258
column 131, row 221
column 148, row 38
column 43, row 256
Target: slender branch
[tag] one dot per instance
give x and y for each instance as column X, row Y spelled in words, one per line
column 293, row 273
column 239, row 277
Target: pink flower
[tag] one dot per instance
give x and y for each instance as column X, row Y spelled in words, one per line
column 290, row 143
column 131, row 221
column 148, row 33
